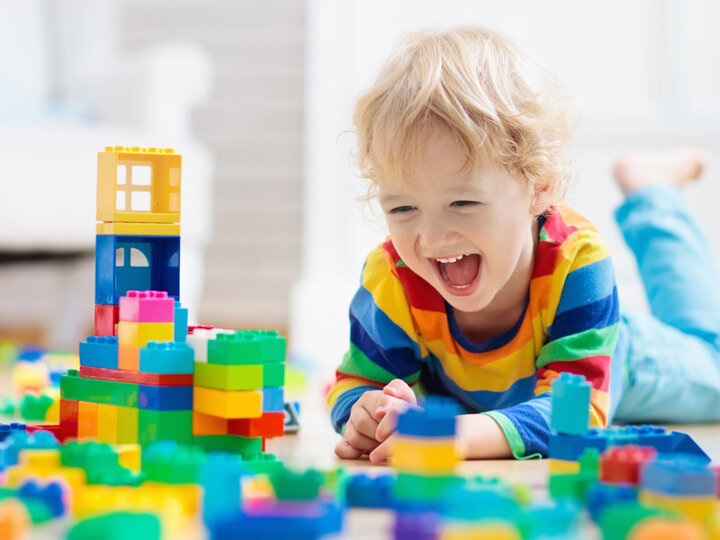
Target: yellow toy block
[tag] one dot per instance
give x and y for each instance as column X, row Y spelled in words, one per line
column 698, row 509
column 52, row 415
column 205, row 424
column 228, row 404
column 127, row 425
column 559, row 466
column 138, row 185
column 485, row 530
column 87, row 420
column 137, row 334
column 419, row 455
column 107, row 428
column 140, row 229
column 129, row 455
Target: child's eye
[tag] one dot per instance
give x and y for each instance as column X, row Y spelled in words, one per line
column 464, row 203
column 402, row 209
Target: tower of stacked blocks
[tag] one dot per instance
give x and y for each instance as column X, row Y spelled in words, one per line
column 145, row 375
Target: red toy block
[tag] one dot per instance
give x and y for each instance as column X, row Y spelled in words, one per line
column 270, row 424
column 69, row 414
column 137, row 377
column 106, row 318
column 191, row 329
column 147, row 306
column 622, row 464
column 59, row 432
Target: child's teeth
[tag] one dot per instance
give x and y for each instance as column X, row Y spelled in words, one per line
column 451, row 259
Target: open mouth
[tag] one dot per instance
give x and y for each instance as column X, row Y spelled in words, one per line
column 461, row 273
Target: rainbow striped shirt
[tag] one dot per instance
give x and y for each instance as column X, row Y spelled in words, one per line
column 401, row 327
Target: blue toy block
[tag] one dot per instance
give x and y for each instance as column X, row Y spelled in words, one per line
column 220, row 477
column 602, row 495
column 679, row 475
column 181, row 322
column 51, row 496
column 99, row 352
column 485, row 501
column 30, row 354
column 656, row 437
column 135, row 263
column 22, row 440
column 8, row 429
column 570, row 447
column 167, row 357
column 683, row 443
column 570, row 404
column 273, row 400
column 165, row 398
column 363, row 491
column 437, row 419
column 552, row 519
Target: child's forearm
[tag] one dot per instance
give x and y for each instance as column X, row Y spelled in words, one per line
column 480, row 437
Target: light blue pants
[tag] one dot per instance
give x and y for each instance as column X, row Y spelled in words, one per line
column 671, row 369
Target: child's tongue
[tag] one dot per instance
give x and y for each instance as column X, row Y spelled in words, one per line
column 462, row 272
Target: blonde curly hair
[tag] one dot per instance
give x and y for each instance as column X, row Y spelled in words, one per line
column 486, row 89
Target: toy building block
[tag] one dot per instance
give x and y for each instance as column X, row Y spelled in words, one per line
column 618, row 520
column 14, row 519
column 98, row 391
column 233, row 444
column 363, row 491
column 220, row 477
column 137, row 229
column 436, row 420
column 99, row 351
column 570, row 447
column 87, row 420
column 274, row 346
column 228, row 404
column 600, row 496
column 164, row 425
column 684, row 444
column 292, row 417
column 229, row 377
column 107, row 423
column 165, row 398
column 147, row 306
column 35, row 408
column 8, row 429
column 171, row 463
column 679, row 475
column 622, row 464
column 138, row 185
column 297, row 486
column 664, row 528
column 206, row 424
column 127, row 425
column 181, row 322
column 273, row 375
column 106, row 319
column 273, row 400
column 135, row 334
column 117, row 526
column 128, row 358
column 167, row 357
column 19, row 440
column 416, row 491
column 235, row 349
column 570, row 404
column 198, row 337
column 123, row 263
column 51, row 496
column 270, row 424
column 422, row 455
column 137, row 377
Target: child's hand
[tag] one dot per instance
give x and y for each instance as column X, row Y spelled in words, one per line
column 359, row 437
column 397, row 397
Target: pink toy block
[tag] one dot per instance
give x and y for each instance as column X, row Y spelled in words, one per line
column 147, row 306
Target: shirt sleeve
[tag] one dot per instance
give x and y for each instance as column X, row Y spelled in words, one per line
column 581, row 337
column 383, row 339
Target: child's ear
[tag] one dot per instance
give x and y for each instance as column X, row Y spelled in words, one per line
column 541, row 197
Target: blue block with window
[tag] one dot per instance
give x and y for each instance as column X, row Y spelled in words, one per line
column 135, row 263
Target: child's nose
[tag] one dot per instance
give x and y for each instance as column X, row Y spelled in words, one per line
column 436, row 235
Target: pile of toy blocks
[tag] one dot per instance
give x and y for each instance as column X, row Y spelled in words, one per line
column 138, row 386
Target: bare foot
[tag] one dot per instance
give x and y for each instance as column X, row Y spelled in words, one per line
column 678, row 166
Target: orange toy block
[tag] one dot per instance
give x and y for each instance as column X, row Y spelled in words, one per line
column 205, row 424
column 87, row 419
column 14, row 519
column 128, row 358
column 228, row 404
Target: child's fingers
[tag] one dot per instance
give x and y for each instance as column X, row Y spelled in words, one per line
column 345, row 450
column 382, row 453
column 401, row 390
column 363, row 420
column 388, row 424
column 358, row 440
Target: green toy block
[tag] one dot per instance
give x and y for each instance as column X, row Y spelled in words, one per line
column 172, row 463
column 617, row 519
column 259, row 463
column 240, row 348
column 117, row 526
column 100, row 463
column 273, row 375
column 412, row 487
column 294, row 486
column 229, row 443
column 571, row 486
column 229, row 377
column 164, row 426
column 274, row 346
column 35, row 408
column 98, row 391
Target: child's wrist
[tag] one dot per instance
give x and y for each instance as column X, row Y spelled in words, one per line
column 480, row 437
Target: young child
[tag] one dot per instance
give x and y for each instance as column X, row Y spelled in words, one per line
column 488, row 288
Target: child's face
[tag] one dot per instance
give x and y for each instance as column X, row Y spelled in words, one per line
column 483, row 221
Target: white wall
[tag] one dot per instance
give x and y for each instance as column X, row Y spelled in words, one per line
column 644, row 75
